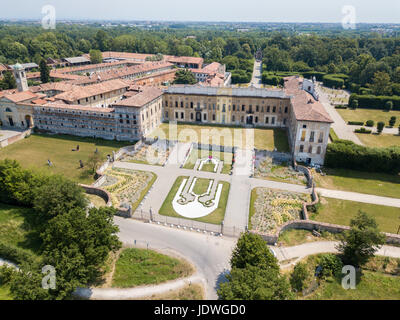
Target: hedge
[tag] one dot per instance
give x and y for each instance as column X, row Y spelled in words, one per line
column 332, row 81
column 355, row 123
column 375, row 102
column 348, row 155
column 318, row 75
column 341, row 107
column 363, row 130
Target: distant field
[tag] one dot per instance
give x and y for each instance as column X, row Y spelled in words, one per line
column 341, row 212
column 264, row 139
column 380, row 184
column 33, row 152
column 379, row 140
column 369, row 114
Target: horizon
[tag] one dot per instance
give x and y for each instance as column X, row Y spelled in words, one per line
column 311, row 11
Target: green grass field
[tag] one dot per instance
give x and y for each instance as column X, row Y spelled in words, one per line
column 363, row 115
column 16, row 228
column 196, row 154
column 264, row 139
column 201, row 186
column 215, row 217
column 341, row 212
column 380, row 184
column 136, row 267
column 33, row 152
column 379, row 140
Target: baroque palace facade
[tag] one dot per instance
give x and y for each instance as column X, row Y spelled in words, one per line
column 106, row 104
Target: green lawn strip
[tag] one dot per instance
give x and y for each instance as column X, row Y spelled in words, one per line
column 34, row 151
column 379, row 140
column 5, row 293
column 333, row 135
column 201, row 186
column 363, row 115
column 136, row 267
column 380, row 184
column 264, row 139
column 342, row 211
column 373, row 286
column 215, row 217
column 144, row 192
column 253, row 199
column 16, row 229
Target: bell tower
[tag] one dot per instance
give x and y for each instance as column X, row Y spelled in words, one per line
column 20, row 77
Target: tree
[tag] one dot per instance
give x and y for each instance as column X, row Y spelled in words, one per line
column 253, row 283
column 77, row 244
column 58, row 196
column 184, row 76
column 8, row 81
column 94, row 161
column 392, row 121
column 252, row 250
column 299, row 276
column 354, row 104
column 399, row 130
column 44, row 72
column 360, row 243
column 381, row 85
column 96, row 56
column 380, row 127
column 389, row 106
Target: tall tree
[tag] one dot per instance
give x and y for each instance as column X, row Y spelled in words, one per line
column 96, row 56
column 44, row 72
column 381, row 85
column 184, row 76
column 8, row 81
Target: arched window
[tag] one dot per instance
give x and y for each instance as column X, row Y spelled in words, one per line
column 8, row 110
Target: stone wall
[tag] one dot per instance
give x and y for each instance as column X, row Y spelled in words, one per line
column 98, row 192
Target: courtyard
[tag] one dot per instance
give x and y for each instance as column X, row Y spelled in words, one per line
column 264, row 139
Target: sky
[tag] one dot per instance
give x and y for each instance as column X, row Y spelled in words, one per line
column 366, row 11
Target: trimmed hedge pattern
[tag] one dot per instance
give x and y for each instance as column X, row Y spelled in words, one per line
column 375, row 102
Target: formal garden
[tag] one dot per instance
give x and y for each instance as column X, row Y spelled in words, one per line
column 156, row 154
column 198, row 199
column 127, row 187
column 205, row 160
column 270, row 209
column 268, row 168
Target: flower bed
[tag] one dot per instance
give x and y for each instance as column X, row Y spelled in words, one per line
column 267, row 169
column 126, row 186
column 271, row 209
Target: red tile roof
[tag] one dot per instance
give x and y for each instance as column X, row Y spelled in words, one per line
column 21, row 96
column 143, row 97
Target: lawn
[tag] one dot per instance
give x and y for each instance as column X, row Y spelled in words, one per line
column 196, row 154
column 264, row 139
column 293, row 237
column 16, row 228
column 379, row 140
column 136, row 267
column 33, row 152
column 363, row 115
column 201, row 186
column 342, row 211
column 215, row 217
column 189, row 292
column 380, row 184
column 97, row 201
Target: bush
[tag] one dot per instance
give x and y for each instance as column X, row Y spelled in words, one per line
column 299, row 276
column 348, row 155
column 355, row 123
column 318, row 75
column 380, row 126
column 335, row 80
column 389, row 105
column 6, row 274
column 370, row 123
column 392, row 121
column 340, row 107
column 353, row 104
column 331, row 265
column 363, row 130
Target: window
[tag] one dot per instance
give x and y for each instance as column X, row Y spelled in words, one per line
column 284, row 121
column 205, row 117
column 243, row 107
column 182, row 115
column 286, row 109
column 213, row 117
column 272, row 120
column 310, row 150
column 176, row 115
column 266, row 120
column 166, row 103
column 319, row 150
column 268, row 109
column 301, row 148
column 176, row 104
column 223, row 108
column 256, row 120
column 321, row 137
column 181, row 104
column 233, row 118
column 233, row 107
column 303, row 135
column 257, row 108
column 166, row 114
column 312, row 136
column 304, row 126
column 191, row 116
column 274, row 109
column 191, row 105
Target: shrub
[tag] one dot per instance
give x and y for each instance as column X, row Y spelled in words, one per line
column 370, row 123
column 299, row 276
column 15, row 254
column 380, row 126
column 331, row 265
column 340, row 107
column 332, row 81
column 363, row 130
column 392, row 121
column 354, row 104
column 375, row 102
column 355, row 123
column 389, row 105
